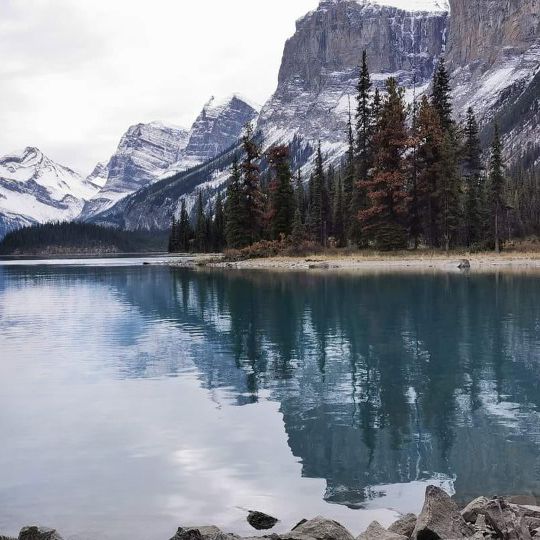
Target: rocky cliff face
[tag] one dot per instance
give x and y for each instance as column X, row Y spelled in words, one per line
column 494, row 56
column 320, row 64
column 35, row 189
column 218, row 126
column 144, row 153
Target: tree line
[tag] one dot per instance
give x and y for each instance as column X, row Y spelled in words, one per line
column 412, row 177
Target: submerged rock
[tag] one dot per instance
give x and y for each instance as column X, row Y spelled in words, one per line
column 260, row 520
column 440, row 518
column 404, row 525
column 38, row 533
column 377, row 532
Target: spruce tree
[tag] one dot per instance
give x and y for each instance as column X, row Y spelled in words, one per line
column 298, row 229
column 384, row 219
column 441, row 95
column 449, row 192
column 201, row 226
column 235, row 216
column 281, row 192
column 340, row 216
column 218, row 225
column 318, row 211
column 253, row 197
column 173, row 247
column 424, row 207
column 184, row 229
column 496, row 188
column 300, row 196
column 472, row 171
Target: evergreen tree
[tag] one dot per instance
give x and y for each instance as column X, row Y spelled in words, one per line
column 339, row 216
column 253, row 197
column 384, row 219
column 281, row 193
column 218, row 226
column 235, row 215
column 300, row 196
column 172, row 246
column 441, row 95
column 472, row 171
column 449, row 192
column 496, row 189
column 298, row 229
column 201, row 226
column 185, row 233
column 318, row 210
column 424, row 206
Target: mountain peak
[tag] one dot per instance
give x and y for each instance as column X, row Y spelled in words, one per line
column 405, row 5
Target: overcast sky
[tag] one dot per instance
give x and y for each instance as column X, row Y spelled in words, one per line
column 76, row 73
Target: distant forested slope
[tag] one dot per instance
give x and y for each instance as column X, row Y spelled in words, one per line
column 76, row 237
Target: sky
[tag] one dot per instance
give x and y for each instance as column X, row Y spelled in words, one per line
column 75, row 74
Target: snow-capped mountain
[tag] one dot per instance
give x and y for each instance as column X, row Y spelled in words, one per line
column 145, row 152
column 217, row 127
column 35, row 189
column 319, row 71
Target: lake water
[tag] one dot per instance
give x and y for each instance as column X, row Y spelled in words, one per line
column 134, row 399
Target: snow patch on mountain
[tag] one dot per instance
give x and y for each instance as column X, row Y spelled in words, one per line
column 35, row 189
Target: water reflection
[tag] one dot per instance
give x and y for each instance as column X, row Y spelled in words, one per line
column 377, row 384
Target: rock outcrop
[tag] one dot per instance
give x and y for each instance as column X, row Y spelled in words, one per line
column 377, row 532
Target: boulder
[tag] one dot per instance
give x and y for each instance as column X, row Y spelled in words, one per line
column 471, row 511
column 211, row 532
column 188, row 534
column 38, row 533
column 318, row 529
column 440, row 518
column 377, row 532
column 464, row 264
column 507, row 521
column 404, row 525
column 536, row 533
column 261, row 521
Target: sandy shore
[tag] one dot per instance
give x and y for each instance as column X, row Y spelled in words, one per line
column 360, row 262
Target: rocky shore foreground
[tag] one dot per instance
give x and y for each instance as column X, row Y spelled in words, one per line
column 440, row 518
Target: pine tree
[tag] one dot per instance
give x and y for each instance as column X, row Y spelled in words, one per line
column 300, row 196
column 449, row 192
column 441, row 95
column 201, row 226
column 185, row 233
column 235, row 218
column 318, row 210
column 496, row 188
column 281, row 192
column 218, row 225
column 253, row 197
column 384, row 219
column 339, row 216
column 424, row 206
column 298, row 229
column 472, row 171
column 173, row 247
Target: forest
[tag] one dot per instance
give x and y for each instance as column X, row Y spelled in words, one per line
column 76, row 237
column 412, row 178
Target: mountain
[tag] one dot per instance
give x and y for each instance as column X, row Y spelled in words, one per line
column 35, row 189
column 494, row 57
column 319, row 69
column 218, row 126
column 144, row 153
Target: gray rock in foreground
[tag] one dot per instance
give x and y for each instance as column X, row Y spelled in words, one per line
column 440, row 518
column 260, row 520
column 404, row 525
column 377, row 532
column 38, row 533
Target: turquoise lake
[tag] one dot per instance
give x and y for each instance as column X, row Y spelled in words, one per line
column 134, row 399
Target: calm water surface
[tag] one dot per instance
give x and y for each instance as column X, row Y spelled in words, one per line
column 134, row 399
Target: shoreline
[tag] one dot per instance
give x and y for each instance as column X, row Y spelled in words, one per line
column 440, row 518
column 370, row 263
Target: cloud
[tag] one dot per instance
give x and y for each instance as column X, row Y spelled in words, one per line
column 76, row 74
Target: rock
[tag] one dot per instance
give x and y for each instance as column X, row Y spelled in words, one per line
column 261, row 521
column 377, row 532
column 440, row 518
column 210, row 532
column 507, row 521
column 187, row 534
column 319, row 529
column 464, row 264
column 532, row 523
column 404, row 525
column 471, row 511
column 38, row 533
column 527, row 510
column 536, row 533
column 7, row 538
